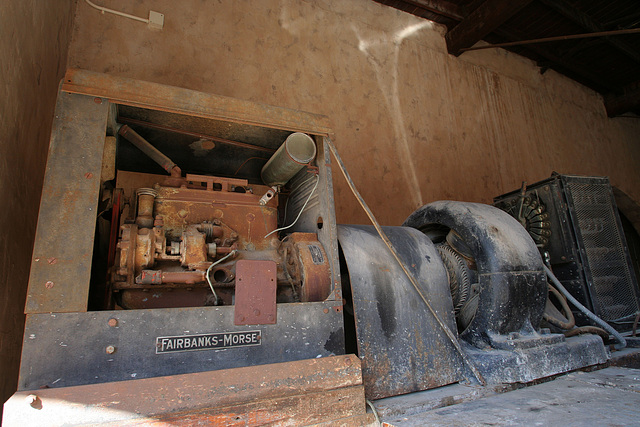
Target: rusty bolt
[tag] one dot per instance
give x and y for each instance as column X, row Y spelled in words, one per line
column 97, row 100
column 31, row 400
column 347, row 361
column 325, row 311
column 88, row 175
column 52, row 261
column 256, row 312
column 112, row 322
column 49, row 284
column 110, row 349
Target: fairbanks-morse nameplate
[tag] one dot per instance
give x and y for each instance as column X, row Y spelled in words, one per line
column 212, row 341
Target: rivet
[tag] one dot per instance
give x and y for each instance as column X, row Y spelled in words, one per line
column 97, row 100
column 49, row 284
column 88, row 175
column 110, row 349
column 113, row 322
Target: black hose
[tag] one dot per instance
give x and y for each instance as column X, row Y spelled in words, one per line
column 621, row 341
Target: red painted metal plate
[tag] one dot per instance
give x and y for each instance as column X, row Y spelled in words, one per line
column 255, row 292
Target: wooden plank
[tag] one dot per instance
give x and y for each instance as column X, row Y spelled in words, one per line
column 63, row 247
column 482, row 21
column 299, row 409
column 153, row 398
column 184, row 101
column 360, row 420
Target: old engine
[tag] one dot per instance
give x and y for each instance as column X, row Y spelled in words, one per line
column 182, row 247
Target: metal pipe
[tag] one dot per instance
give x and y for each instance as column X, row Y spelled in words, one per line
column 158, row 277
column 150, row 125
column 296, row 152
column 146, row 199
column 556, row 38
column 152, row 152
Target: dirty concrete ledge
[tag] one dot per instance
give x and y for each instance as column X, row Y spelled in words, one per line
column 604, row 393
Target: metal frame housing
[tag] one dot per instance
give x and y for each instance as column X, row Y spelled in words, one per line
column 64, row 343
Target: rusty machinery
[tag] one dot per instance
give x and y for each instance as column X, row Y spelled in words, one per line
column 199, row 235
column 193, row 240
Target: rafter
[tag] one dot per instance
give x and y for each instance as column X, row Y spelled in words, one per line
column 620, row 104
column 590, row 24
column 481, row 22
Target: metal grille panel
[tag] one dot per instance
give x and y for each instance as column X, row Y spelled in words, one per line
column 611, row 283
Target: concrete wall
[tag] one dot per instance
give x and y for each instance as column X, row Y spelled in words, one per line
column 412, row 123
column 34, row 40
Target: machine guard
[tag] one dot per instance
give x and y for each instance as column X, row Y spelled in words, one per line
column 402, row 347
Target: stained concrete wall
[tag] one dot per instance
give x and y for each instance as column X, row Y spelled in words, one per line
column 412, row 123
column 34, row 40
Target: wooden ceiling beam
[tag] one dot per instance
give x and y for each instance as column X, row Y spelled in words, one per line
column 590, row 24
column 440, row 7
column 620, row 104
column 554, row 59
column 579, row 72
column 481, row 22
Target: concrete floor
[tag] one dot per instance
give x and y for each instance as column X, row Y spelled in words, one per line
column 609, row 397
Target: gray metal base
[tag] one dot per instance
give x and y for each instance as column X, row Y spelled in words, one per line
column 605, row 397
column 522, row 364
column 68, row 349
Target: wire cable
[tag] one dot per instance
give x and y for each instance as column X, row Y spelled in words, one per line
column 621, row 341
column 414, row 282
column 233, row 252
column 115, row 12
column 299, row 213
column 375, row 411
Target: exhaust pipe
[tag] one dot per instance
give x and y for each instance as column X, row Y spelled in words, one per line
column 296, row 152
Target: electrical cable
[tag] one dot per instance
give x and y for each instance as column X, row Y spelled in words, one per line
column 621, row 341
column 115, row 12
column 550, row 313
column 233, row 252
column 374, row 410
column 299, row 213
column 414, row 282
